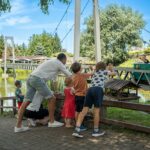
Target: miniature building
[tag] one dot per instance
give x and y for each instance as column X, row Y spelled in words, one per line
column 121, row 89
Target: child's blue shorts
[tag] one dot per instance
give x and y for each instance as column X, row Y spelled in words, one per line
column 94, row 97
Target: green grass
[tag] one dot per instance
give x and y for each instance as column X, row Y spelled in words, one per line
column 130, row 116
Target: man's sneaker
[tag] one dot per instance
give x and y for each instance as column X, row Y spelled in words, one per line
column 82, row 128
column 21, row 129
column 77, row 134
column 55, row 124
column 99, row 133
column 31, row 122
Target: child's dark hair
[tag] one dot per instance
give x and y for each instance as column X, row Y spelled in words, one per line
column 17, row 82
column 100, row 66
column 75, row 67
column 68, row 81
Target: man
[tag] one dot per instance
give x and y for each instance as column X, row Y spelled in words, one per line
column 37, row 82
column 144, row 59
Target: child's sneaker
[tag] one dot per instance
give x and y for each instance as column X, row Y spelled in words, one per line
column 31, row 122
column 82, row 128
column 99, row 133
column 21, row 129
column 77, row 134
column 55, row 124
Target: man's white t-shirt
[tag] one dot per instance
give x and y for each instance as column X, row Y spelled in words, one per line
column 50, row 69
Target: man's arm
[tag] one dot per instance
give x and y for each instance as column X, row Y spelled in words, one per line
column 64, row 70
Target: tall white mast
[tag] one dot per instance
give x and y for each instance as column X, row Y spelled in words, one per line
column 98, row 55
column 77, row 30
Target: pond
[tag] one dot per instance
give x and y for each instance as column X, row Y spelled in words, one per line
column 7, row 87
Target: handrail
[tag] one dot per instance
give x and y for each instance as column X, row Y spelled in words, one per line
column 104, row 119
column 30, row 66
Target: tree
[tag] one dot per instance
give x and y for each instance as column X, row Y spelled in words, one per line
column 21, row 50
column 5, row 5
column 39, row 50
column 1, row 45
column 50, row 44
column 120, row 29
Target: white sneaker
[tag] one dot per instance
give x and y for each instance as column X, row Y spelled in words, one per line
column 21, row 129
column 77, row 134
column 55, row 124
column 31, row 122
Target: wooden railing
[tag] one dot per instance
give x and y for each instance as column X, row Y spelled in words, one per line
column 124, row 105
column 13, row 107
column 104, row 119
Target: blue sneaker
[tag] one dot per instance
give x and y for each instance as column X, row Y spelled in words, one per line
column 99, row 133
column 82, row 128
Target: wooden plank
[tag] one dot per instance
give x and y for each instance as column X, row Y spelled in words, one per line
column 14, row 106
column 126, row 125
column 126, row 105
column 1, row 103
column 8, row 107
column 7, row 98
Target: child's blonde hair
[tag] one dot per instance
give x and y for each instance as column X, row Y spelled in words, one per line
column 68, row 81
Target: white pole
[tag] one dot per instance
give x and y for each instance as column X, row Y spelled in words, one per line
column 77, row 30
column 5, row 56
column 13, row 50
column 98, row 56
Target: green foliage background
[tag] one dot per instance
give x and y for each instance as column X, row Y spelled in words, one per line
column 50, row 44
column 120, row 29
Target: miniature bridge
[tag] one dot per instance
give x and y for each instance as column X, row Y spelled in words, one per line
column 139, row 77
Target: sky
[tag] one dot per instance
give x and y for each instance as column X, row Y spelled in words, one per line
column 26, row 19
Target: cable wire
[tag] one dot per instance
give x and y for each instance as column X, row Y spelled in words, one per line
column 71, row 28
column 62, row 17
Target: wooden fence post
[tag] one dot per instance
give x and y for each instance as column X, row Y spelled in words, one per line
column 103, row 113
column 1, row 103
column 14, row 106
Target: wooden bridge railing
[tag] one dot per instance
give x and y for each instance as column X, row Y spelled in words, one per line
column 122, row 73
column 104, row 119
column 129, row 74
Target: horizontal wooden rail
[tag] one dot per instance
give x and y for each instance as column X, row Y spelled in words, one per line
column 32, row 66
column 126, row 105
column 7, row 98
column 7, row 107
column 126, row 125
column 104, row 119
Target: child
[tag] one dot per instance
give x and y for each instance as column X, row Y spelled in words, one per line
column 18, row 93
column 80, row 86
column 110, row 68
column 68, row 112
column 94, row 97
